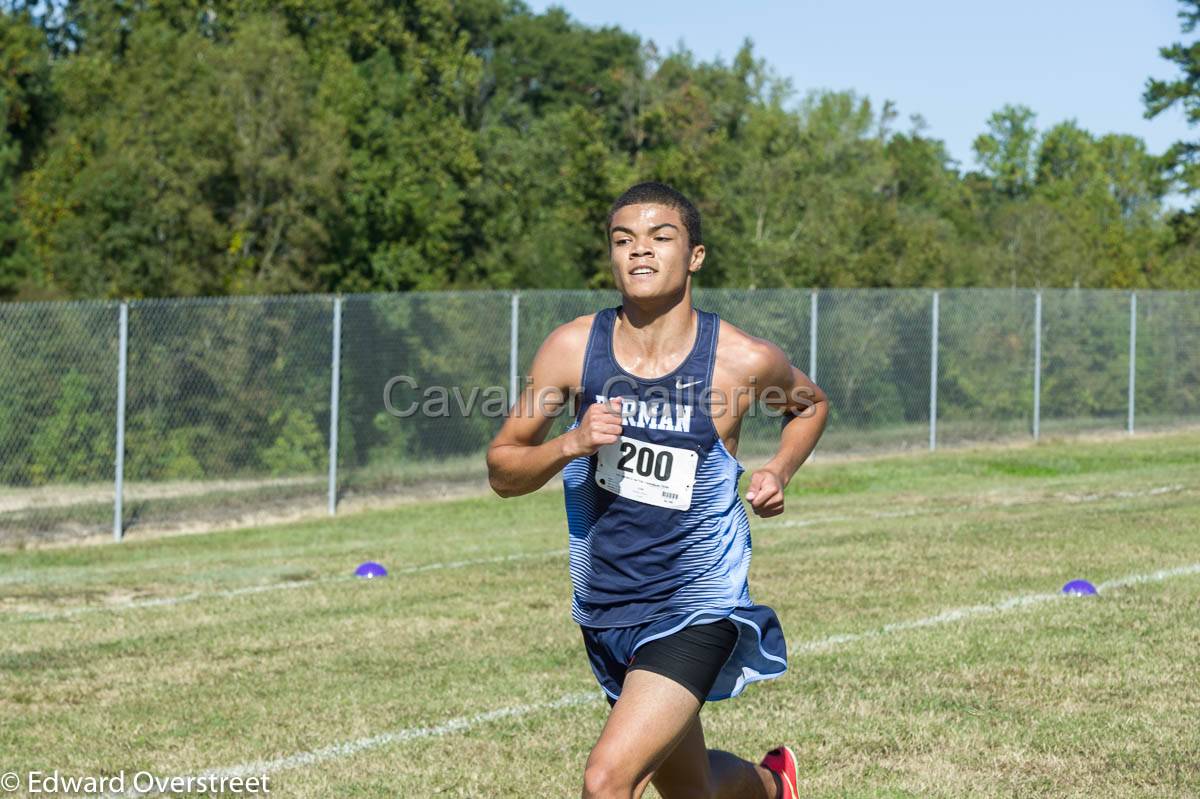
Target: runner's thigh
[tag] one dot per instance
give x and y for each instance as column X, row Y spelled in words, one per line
column 652, row 716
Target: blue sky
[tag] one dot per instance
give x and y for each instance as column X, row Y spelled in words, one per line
column 954, row 63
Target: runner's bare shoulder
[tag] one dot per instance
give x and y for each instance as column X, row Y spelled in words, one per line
column 559, row 361
column 741, row 356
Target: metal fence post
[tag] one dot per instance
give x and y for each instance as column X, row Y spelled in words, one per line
column 1037, row 365
column 812, row 336
column 812, row 349
column 122, row 368
column 933, row 376
column 512, row 349
column 1132, row 356
column 335, row 384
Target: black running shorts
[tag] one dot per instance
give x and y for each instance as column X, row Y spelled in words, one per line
column 692, row 657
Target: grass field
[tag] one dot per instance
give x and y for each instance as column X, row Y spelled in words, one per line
column 931, row 653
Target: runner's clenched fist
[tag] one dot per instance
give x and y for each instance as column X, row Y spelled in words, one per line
column 600, row 425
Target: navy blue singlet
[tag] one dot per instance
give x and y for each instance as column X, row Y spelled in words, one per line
column 651, row 557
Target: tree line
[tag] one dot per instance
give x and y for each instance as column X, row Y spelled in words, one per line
column 182, row 148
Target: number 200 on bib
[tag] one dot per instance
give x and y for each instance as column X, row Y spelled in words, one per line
column 651, row 473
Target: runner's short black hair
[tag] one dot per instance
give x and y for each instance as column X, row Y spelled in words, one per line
column 653, row 193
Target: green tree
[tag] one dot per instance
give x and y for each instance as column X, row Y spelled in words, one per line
column 26, row 108
column 825, row 205
column 195, row 168
column 937, row 216
column 1184, row 91
column 543, row 197
column 76, row 441
column 299, row 448
column 233, row 146
column 536, row 65
column 413, row 165
column 1006, row 151
column 1108, row 193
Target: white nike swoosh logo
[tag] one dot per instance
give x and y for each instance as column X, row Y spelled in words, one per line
column 680, row 385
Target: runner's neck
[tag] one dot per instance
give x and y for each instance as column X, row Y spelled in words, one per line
column 648, row 336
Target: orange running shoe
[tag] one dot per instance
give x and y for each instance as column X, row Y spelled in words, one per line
column 782, row 761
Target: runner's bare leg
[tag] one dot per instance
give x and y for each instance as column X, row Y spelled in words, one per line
column 653, row 718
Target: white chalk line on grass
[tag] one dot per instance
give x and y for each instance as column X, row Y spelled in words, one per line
column 1152, row 492
column 972, row 611
column 349, row 748
column 465, row 723
column 135, row 604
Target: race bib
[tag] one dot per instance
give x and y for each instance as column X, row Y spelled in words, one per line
column 651, row 473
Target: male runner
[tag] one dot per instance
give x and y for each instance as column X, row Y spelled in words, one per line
column 659, row 539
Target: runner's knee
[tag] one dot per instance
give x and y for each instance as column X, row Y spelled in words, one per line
column 604, row 779
column 600, row 782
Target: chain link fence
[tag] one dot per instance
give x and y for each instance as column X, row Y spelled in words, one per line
column 227, row 410
column 232, row 414
column 416, row 349
column 58, row 399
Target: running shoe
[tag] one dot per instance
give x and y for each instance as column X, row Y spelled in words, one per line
column 782, row 761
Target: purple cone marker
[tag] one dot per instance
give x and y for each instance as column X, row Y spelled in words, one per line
column 1079, row 588
column 369, row 570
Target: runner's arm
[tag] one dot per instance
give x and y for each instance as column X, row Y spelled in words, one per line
column 520, row 460
column 805, row 408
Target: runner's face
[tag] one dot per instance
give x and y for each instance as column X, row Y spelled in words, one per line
column 648, row 245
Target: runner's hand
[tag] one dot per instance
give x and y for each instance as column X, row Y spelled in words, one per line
column 600, row 425
column 765, row 494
